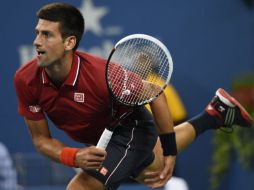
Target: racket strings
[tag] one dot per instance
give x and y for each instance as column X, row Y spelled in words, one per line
column 137, row 66
column 123, row 56
column 118, row 76
column 153, row 77
column 141, row 65
column 133, row 65
column 135, row 62
column 150, row 51
column 128, row 63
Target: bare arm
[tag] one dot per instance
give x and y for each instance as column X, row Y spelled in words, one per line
column 159, row 107
column 162, row 115
column 164, row 124
column 42, row 139
column 87, row 158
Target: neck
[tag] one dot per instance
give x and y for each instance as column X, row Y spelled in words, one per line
column 59, row 70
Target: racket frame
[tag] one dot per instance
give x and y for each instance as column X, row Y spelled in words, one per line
column 157, row 42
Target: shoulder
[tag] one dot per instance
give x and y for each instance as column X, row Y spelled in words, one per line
column 93, row 70
column 27, row 72
column 92, row 64
column 90, row 58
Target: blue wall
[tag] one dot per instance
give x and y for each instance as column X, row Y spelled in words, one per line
column 211, row 42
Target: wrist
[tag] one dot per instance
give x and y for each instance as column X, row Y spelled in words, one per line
column 68, row 156
column 168, row 143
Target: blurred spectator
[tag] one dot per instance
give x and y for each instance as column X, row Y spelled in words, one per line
column 8, row 175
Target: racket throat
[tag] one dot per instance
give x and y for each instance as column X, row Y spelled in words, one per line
column 117, row 120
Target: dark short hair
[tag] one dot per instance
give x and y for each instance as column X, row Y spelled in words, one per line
column 70, row 19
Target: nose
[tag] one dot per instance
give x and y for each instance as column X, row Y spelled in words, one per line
column 37, row 41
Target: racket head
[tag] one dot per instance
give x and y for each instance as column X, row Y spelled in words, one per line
column 138, row 69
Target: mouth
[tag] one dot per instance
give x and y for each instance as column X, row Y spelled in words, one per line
column 40, row 52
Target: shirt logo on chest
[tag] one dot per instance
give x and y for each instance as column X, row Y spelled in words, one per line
column 79, row 97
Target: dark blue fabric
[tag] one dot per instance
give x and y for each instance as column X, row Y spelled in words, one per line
column 129, row 151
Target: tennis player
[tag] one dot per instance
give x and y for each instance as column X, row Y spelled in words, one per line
column 69, row 88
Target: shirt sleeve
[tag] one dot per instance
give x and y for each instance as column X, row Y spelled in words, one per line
column 27, row 104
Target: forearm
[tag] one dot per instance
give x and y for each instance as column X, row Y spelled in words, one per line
column 49, row 147
column 42, row 139
column 87, row 157
column 162, row 115
column 164, row 124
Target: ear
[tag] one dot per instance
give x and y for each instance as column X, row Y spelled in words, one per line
column 69, row 43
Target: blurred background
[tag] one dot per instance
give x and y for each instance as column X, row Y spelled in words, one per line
column 211, row 42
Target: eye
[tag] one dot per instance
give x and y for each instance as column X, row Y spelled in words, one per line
column 46, row 34
column 36, row 32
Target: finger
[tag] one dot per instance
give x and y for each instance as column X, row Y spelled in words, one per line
column 91, row 167
column 160, row 180
column 167, row 171
column 94, row 164
column 163, row 180
column 158, row 184
column 155, row 182
column 92, row 158
column 98, row 151
column 90, row 154
column 152, row 180
column 95, row 167
column 92, row 161
column 151, row 174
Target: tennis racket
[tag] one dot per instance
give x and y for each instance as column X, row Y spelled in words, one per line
column 138, row 70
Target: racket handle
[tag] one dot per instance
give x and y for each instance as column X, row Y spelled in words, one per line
column 104, row 139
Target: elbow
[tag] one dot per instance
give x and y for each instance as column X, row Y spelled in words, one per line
column 40, row 143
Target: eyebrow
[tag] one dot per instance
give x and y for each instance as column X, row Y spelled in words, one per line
column 43, row 31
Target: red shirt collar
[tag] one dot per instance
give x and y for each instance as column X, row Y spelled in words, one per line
column 73, row 74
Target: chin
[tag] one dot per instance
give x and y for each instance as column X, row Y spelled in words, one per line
column 41, row 64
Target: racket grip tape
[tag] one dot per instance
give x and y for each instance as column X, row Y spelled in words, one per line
column 104, row 139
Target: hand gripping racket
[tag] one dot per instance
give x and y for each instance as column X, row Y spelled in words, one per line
column 138, row 70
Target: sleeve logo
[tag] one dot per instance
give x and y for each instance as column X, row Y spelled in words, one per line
column 35, row 109
column 79, row 97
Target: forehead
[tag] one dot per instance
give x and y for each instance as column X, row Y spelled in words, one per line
column 47, row 25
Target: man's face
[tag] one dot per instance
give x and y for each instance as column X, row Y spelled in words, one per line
column 48, row 42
